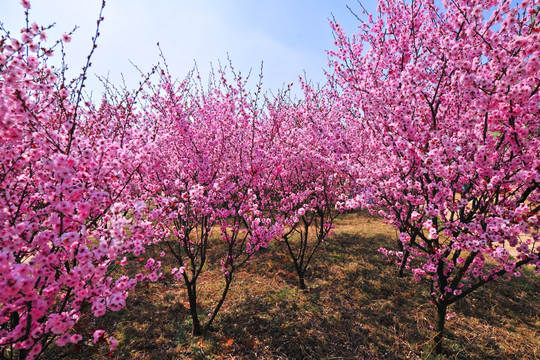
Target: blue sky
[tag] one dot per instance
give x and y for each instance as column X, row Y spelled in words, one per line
column 290, row 36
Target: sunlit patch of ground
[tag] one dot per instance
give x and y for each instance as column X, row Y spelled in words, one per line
column 356, row 307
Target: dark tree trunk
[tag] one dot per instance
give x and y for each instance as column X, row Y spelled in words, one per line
column 23, row 353
column 401, row 272
column 301, row 281
column 192, row 295
column 441, row 320
column 208, row 325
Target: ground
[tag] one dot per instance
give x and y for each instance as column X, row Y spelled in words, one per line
column 355, row 308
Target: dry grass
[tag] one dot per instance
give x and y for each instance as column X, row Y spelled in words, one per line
column 356, row 308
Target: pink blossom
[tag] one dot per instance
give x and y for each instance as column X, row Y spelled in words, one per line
column 113, row 343
column 63, row 339
column 75, row 338
column 98, row 334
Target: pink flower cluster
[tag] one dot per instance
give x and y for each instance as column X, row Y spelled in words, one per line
column 66, row 181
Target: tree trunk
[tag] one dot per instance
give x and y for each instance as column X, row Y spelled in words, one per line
column 301, row 281
column 192, row 295
column 441, row 320
column 401, row 272
column 23, row 353
column 228, row 281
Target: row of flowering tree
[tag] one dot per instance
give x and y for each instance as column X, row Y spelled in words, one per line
column 232, row 169
column 444, row 116
column 431, row 118
column 85, row 188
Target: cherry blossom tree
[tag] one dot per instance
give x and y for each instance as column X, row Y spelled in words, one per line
column 306, row 184
column 443, row 114
column 64, row 199
column 205, row 179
